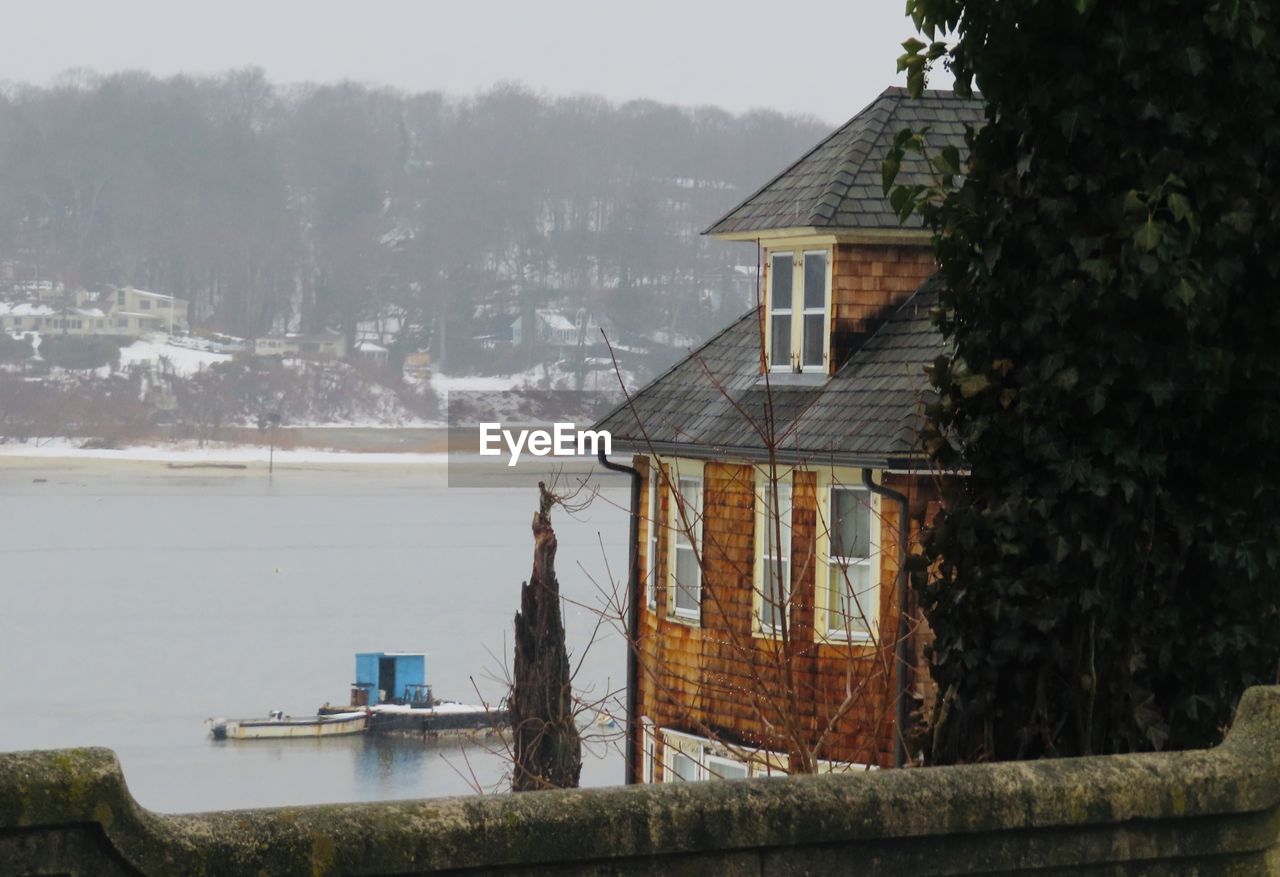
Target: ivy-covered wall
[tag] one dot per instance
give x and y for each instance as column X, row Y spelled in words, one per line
column 1206, row 812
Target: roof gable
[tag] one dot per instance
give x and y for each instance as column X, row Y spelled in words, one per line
column 838, row 183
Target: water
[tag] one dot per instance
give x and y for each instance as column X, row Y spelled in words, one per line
column 136, row 602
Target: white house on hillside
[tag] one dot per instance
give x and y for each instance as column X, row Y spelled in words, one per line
column 556, row 329
column 128, row 311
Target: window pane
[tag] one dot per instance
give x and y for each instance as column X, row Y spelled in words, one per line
column 687, row 527
column 686, row 579
column 780, row 343
column 781, row 279
column 777, row 517
column 850, row 523
column 814, row 329
column 815, row 280
column 775, row 543
column 680, row 767
column 776, row 586
column 851, row 599
column 726, row 770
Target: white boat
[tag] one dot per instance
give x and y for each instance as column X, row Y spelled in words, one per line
column 279, row 726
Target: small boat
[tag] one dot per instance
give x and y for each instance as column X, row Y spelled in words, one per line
column 279, row 726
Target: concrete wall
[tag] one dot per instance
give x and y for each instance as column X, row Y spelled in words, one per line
column 1210, row 812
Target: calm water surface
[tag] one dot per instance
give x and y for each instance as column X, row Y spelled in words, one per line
column 136, row 602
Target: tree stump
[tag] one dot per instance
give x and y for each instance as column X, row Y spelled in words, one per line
column 548, row 750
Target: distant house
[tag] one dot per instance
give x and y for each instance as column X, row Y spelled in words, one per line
column 128, row 311
column 557, row 330
column 769, row 567
column 20, row 317
column 374, row 354
column 138, row 312
column 322, row 345
column 417, row 365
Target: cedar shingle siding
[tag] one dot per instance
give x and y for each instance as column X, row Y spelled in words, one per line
column 715, row 677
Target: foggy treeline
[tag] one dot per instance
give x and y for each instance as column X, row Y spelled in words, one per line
column 328, row 206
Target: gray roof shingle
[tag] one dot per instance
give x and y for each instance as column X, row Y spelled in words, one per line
column 715, row 402
column 837, row 184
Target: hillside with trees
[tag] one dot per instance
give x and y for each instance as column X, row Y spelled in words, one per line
column 433, row 221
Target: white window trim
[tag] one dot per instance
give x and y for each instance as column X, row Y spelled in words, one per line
column 669, row 773
column 651, row 548
column 711, row 762
column 689, row 470
column 704, row 753
column 769, row 312
column 649, row 746
column 845, row 766
column 797, row 311
column 823, row 631
column 763, row 519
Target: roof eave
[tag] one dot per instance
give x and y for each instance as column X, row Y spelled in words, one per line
column 790, row 457
column 842, row 235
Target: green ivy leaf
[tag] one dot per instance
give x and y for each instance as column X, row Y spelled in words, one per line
column 1147, row 237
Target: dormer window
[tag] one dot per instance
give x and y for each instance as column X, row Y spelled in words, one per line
column 798, row 301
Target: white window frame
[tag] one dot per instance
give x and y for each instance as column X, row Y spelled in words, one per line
column 649, row 745
column 712, row 762
column 771, row 312
column 763, row 562
column 651, row 548
column 670, row 758
column 685, row 470
column 833, row 624
column 705, row 754
column 797, row 312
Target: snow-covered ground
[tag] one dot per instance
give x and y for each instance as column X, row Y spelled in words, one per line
column 212, row 452
column 445, row 706
column 183, row 361
column 599, row 378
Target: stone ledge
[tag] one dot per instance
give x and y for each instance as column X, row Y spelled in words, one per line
column 1207, row 811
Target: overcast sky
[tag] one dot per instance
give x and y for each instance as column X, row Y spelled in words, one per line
column 824, row 57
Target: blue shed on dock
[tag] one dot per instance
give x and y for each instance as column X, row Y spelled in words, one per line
column 391, row 677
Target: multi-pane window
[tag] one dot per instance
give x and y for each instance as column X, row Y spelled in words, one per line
column 774, row 541
column 798, row 310
column 686, row 758
column 686, row 523
column 853, row 602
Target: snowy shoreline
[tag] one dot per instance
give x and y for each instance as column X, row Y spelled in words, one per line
column 214, row 454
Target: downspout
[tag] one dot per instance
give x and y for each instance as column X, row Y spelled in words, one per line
column 633, row 612
column 900, row 647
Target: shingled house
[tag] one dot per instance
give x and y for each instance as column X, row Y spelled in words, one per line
column 780, row 465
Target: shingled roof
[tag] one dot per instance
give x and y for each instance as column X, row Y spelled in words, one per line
column 837, row 184
column 715, row 403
